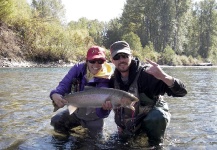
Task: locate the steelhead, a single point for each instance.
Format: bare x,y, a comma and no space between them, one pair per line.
95,97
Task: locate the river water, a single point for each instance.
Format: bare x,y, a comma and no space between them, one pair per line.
25,112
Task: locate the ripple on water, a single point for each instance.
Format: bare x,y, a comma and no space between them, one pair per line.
26,110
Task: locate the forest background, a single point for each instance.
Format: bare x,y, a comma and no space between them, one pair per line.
169,32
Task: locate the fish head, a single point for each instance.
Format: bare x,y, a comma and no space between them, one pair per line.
129,101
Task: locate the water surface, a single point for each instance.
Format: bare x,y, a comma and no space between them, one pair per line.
25,112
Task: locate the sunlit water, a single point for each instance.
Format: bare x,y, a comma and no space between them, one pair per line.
25,112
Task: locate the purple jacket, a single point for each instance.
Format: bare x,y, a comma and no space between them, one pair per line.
79,71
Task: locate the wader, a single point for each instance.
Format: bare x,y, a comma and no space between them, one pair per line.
151,116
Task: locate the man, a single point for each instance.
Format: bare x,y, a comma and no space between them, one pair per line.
148,84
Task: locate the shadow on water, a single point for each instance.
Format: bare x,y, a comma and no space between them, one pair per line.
79,140
80,143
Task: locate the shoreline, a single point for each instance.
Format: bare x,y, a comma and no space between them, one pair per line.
7,63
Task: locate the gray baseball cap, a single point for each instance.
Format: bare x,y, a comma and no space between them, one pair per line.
120,47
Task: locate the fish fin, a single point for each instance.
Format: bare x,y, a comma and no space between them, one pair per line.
55,108
71,109
132,106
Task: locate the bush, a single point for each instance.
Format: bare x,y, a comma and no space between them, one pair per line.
133,40
167,56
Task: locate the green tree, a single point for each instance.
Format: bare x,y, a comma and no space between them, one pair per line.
181,22
112,32
132,20
192,44
133,40
6,8
207,26
149,52
161,22
167,56
49,9
95,28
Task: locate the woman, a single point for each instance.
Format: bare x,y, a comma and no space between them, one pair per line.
94,72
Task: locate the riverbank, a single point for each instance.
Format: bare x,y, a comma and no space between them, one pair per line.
8,63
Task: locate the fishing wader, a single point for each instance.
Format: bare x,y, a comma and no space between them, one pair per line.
150,116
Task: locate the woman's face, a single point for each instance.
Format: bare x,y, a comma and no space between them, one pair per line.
95,65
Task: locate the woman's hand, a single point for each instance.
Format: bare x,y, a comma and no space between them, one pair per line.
58,100
107,105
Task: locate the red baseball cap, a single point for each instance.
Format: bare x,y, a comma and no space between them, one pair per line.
96,52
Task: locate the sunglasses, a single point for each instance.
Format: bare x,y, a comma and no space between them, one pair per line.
99,61
118,56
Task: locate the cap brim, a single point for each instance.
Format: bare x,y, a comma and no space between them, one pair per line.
125,50
96,57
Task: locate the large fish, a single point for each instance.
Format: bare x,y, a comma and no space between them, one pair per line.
95,97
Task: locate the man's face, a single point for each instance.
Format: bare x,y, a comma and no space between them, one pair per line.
122,61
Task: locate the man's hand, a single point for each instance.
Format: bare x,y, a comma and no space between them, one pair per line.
155,70
107,105
58,100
